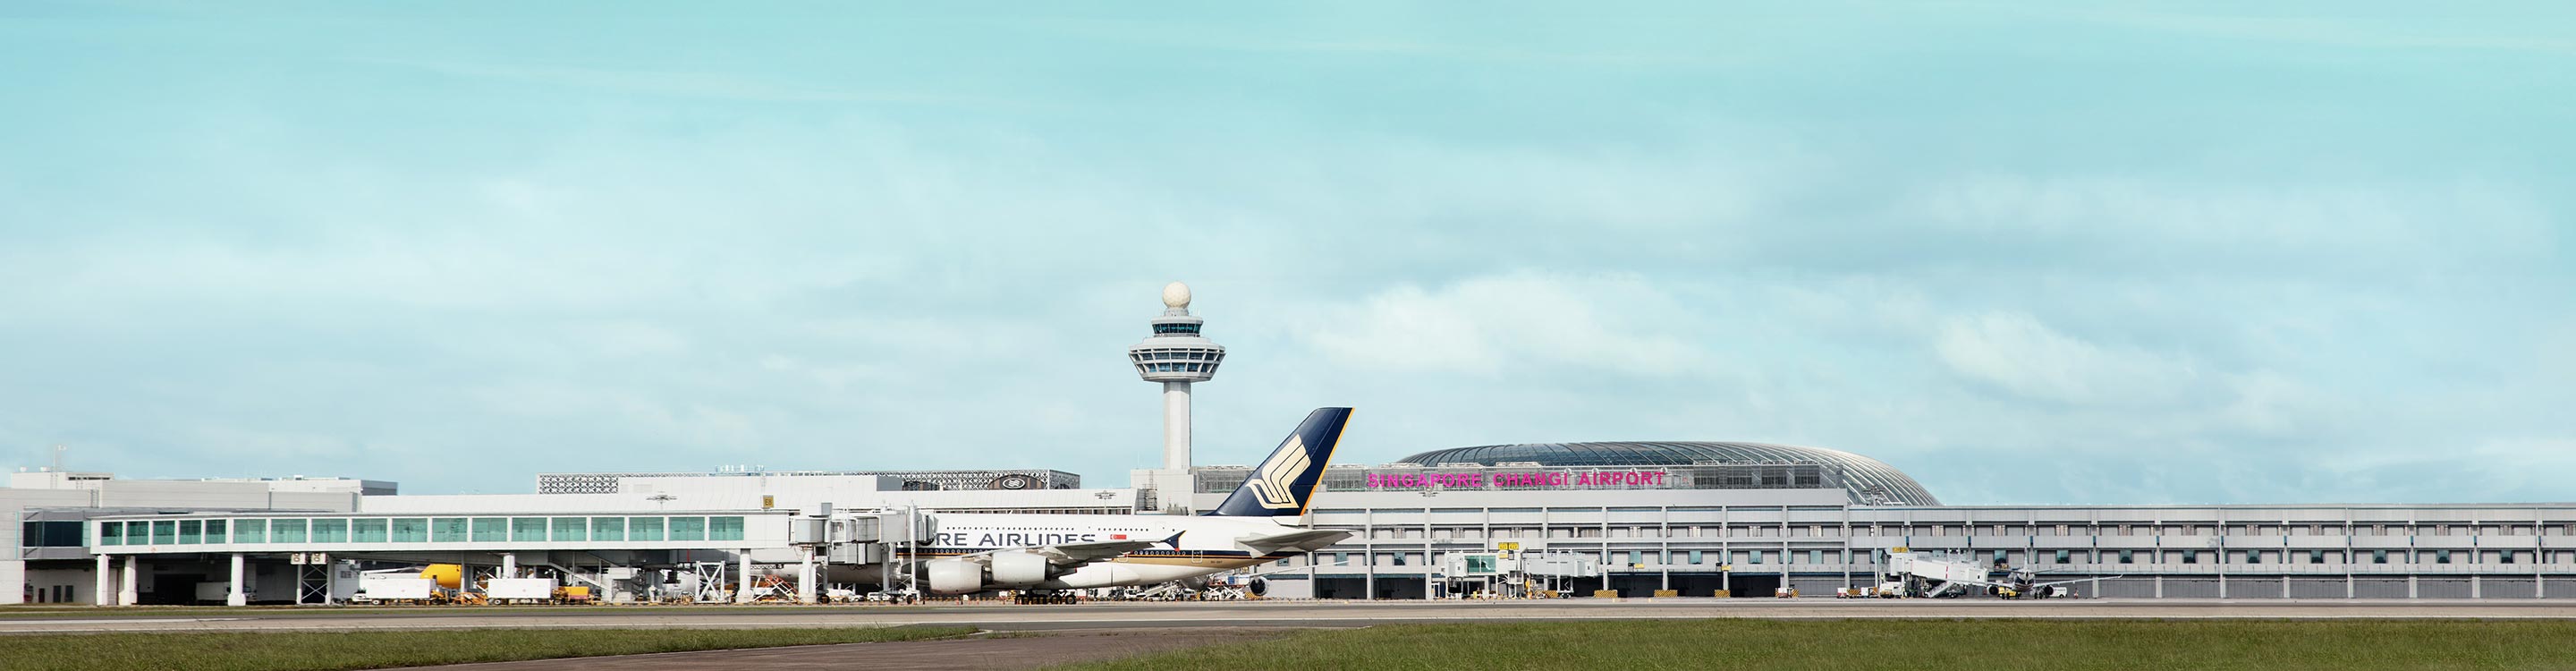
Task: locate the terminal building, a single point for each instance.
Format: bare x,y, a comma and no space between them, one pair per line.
1691,517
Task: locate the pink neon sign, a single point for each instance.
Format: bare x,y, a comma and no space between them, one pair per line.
1532,479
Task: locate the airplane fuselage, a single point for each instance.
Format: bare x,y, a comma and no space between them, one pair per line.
1185,546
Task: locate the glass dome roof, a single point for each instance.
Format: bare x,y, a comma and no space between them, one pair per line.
1869,480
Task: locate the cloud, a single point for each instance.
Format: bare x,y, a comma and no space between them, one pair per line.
2017,353
1486,325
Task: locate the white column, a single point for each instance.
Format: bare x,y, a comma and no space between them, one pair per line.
233,594
742,589
1176,430
509,565
128,594
805,578
13,581
106,593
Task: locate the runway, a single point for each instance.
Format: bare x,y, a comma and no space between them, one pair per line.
1261,614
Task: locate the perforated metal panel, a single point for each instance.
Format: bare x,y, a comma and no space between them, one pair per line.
2379,588
2191,588
2508,588
2559,588
2316,588
2442,588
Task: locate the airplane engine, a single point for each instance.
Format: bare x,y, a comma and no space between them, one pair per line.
1018,568
1258,587
955,576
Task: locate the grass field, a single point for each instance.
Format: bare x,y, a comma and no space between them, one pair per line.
2010,645
89,612
301,651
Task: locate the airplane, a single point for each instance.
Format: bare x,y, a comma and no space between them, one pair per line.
1046,554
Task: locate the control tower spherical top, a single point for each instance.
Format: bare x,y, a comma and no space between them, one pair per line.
1176,352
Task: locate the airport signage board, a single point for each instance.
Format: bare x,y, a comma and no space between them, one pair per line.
1531,479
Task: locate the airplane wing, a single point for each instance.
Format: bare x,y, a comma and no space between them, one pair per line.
1302,539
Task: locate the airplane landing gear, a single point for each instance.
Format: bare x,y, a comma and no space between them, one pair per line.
1044,598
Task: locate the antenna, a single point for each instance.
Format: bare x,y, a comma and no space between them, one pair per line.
58,457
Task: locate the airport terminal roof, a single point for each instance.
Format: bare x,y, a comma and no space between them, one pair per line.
1870,481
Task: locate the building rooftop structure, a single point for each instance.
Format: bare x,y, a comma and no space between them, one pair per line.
1870,481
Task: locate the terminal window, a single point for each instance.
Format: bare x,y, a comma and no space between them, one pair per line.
572,528
411,530
688,528
491,530
287,531
527,529
644,528
2062,556
724,528
250,531
2441,556
2379,556
330,531
368,530
448,530
2127,558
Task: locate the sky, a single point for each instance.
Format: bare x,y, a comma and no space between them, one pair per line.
2029,253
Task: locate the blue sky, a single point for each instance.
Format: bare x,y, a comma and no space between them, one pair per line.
2028,252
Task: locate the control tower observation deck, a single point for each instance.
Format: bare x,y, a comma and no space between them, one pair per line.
1176,355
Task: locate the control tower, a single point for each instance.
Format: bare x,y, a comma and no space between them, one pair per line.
1175,355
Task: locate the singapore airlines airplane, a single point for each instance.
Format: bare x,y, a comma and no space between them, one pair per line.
1044,553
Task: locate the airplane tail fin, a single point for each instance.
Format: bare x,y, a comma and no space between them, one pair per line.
1284,484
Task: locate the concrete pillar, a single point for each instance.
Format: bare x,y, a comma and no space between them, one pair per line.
233,592
130,593
805,578
13,581
1176,433
509,565
742,588
106,594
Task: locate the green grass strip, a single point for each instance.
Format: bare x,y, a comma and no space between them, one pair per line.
1984,645
331,651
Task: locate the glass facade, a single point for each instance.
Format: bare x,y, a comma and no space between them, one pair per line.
528,529
447,530
572,529
287,531
410,530
299,530
367,530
